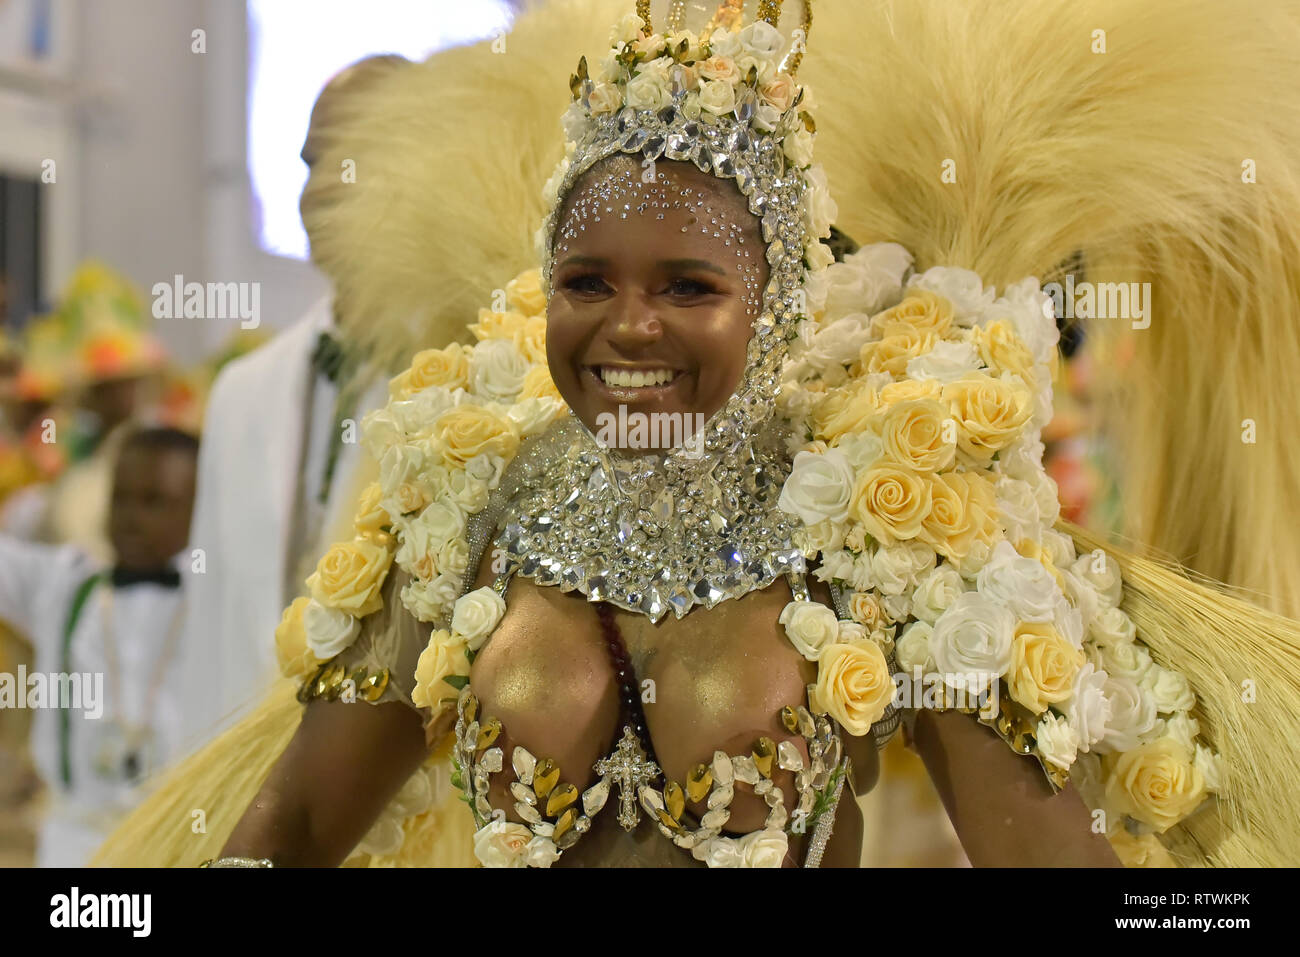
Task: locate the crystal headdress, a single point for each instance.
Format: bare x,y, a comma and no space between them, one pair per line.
657,533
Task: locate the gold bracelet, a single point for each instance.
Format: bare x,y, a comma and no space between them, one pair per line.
238,862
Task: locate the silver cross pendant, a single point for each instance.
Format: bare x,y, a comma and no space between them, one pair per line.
630,769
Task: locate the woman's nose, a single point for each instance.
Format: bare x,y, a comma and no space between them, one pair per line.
632,322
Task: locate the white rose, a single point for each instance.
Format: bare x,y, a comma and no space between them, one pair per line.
863,577
972,638
946,362
453,558
540,852
717,97
443,521
648,90
1088,708
533,415
329,631
418,413
1170,689
475,616
839,342
935,592
718,852
629,28
430,601
820,210
610,70
1059,548
379,431
762,40
867,281
1132,715
1127,660
1018,509
766,117
1182,728
896,569
963,288
1101,571
404,466
795,402
1022,584
763,848
1057,741
912,650
810,626
835,566
1047,495
969,564
418,552
1023,457
1068,621
851,631
725,43
467,493
1025,305
896,607
497,369
862,449
819,487
1207,762
798,147
1041,386
604,98
502,844
1112,627
1081,595
487,468
576,122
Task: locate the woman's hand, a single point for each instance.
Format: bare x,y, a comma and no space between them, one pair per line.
342,767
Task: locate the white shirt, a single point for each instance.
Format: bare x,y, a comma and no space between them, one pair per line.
119,640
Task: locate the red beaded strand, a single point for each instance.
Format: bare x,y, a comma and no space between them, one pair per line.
629,689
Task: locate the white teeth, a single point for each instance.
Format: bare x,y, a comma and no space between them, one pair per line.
639,379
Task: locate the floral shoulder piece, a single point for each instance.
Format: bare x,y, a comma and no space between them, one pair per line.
918,477
454,421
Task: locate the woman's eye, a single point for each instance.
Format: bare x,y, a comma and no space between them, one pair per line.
588,285
688,288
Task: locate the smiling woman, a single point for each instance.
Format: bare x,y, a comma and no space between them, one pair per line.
658,278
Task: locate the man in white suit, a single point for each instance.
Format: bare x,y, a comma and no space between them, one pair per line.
277,463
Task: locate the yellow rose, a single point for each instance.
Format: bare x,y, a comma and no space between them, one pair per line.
531,339
1043,665
470,430
1143,851
854,685
864,608
296,659
498,325
841,412
538,384
912,434
371,518
990,413
442,657
1002,350
908,390
892,353
524,293
890,502
962,510
349,577
921,311
1156,783
447,367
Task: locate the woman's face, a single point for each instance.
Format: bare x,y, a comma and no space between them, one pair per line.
655,288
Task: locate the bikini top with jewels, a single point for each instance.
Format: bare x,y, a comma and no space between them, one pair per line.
558,803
